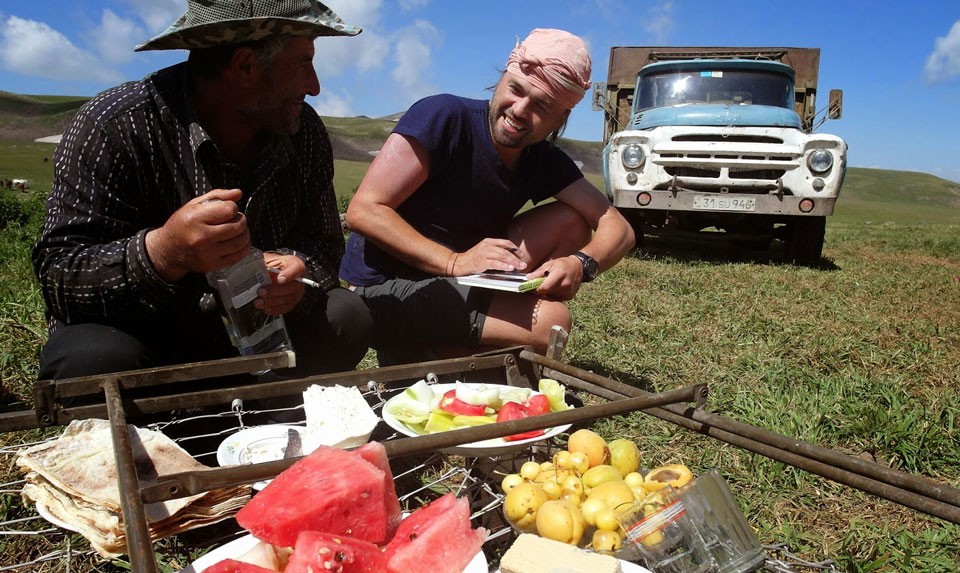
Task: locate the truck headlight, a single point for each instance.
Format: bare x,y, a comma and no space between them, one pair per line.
820,161
632,156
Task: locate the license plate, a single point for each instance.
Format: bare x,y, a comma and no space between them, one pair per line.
722,203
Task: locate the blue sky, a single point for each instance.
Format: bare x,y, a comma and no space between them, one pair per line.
898,63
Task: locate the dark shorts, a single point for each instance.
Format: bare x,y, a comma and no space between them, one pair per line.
411,317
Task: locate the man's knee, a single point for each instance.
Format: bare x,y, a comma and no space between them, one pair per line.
547,315
550,231
349,317
90,349
334,338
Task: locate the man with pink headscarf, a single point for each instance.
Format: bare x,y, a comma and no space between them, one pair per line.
441,200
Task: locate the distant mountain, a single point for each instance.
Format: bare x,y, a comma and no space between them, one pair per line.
26,118
30,117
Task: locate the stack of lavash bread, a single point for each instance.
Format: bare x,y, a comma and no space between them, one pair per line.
73,480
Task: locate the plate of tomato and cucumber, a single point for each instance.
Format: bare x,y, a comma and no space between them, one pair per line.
431,408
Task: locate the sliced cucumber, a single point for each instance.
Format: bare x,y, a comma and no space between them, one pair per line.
407,409
421,392
555,393
514,394
477,394
439,422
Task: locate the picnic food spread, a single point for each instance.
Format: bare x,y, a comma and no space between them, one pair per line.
576,497
338,510
73,479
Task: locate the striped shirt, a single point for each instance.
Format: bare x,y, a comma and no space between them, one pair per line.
131,157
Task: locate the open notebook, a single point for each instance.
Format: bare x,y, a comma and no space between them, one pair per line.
501,280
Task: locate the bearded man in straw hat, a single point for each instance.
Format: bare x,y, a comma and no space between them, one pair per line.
441,200
162,180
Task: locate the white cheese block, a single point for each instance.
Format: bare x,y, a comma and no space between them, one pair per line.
337,416
534,554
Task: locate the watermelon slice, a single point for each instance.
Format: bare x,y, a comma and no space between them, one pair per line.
376,454
330,490
234,566
318,552
437,537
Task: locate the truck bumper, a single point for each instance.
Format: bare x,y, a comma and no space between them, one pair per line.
742,203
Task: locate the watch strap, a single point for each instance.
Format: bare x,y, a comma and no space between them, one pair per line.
590,267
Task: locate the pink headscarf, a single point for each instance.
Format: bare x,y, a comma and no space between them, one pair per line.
556,62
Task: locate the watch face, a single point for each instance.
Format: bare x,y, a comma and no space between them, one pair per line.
590,267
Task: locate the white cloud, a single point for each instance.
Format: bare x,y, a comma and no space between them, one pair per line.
413,57
116,37
408,5
331,105
944,62
35,49
157,14
611,9
363,13
362,53
658,23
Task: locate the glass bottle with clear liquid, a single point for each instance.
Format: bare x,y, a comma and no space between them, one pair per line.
251,330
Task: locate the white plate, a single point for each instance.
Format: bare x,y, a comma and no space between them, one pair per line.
238,547
626,566
492,447
255,445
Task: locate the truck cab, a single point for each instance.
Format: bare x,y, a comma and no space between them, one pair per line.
719,142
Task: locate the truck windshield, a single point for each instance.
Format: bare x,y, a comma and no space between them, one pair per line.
715,86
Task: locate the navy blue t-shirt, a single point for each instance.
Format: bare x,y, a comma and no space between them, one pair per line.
469,194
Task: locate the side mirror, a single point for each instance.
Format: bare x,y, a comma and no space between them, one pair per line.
598,99
836,104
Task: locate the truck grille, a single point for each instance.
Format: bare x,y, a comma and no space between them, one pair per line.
764,174
742,163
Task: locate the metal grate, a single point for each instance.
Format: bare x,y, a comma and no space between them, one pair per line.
421,472
419,479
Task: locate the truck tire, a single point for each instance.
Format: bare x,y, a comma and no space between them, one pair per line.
636,220
805,240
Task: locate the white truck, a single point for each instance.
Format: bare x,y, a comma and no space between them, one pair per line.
719,142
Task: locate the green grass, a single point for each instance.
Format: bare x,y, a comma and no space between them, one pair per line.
30,161
880,196
347,176
359,127
862,356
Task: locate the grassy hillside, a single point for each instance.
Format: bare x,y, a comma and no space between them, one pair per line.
880,195
25,118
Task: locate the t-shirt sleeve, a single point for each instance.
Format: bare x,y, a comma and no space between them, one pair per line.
556,172
434,122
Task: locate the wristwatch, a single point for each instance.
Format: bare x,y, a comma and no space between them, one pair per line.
590,267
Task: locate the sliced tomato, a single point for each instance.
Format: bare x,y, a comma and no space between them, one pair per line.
450,403
538,404
516,411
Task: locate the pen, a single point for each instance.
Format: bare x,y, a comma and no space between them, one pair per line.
305,281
